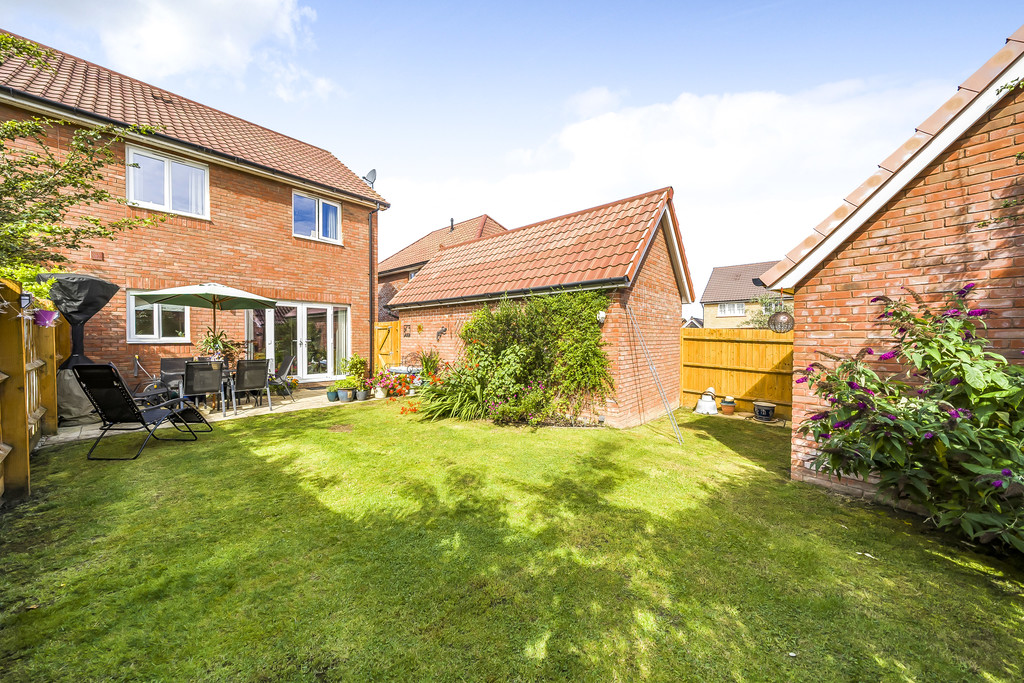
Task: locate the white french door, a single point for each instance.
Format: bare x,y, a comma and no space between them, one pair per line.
314,338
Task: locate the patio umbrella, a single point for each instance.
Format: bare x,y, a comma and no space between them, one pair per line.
210,295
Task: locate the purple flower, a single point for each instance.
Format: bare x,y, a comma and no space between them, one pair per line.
891,417
966,288
862,405
842,424
922,392
888,355
819,416
953,413
1007,472
876,299
869,351
810,368
825,435
887,314
978,312
953,312
854,385
953,382
869,392
928,435
801,380
998,483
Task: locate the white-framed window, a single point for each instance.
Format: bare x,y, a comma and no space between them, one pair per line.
773,306
732,309
315,219
156,323
157,181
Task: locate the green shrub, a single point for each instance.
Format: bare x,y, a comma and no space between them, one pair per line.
947,434
525,361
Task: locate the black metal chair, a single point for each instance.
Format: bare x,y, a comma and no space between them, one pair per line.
203,378
115,405
280,378
252,377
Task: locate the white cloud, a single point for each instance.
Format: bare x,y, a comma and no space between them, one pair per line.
753,172
155,39
593,102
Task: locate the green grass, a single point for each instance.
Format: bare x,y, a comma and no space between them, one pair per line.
275,549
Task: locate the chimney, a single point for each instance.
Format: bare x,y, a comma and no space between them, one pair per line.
452,228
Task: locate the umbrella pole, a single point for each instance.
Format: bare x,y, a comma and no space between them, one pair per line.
214,328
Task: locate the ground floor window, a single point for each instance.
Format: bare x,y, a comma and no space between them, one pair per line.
313,340
156,323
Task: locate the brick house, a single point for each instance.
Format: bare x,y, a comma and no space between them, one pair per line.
928,219
240,205
630,249
730,296
402,266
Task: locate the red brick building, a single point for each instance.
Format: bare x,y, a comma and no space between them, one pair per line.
931,219
240,205
397,269
630,248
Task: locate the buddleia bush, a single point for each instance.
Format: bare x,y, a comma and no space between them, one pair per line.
947,433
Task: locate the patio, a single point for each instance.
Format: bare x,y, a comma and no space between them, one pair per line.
354,542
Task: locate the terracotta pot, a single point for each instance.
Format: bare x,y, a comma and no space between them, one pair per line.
728,408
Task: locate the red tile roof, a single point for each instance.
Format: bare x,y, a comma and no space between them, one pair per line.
734,283
74,83
800,258
601,245
424,249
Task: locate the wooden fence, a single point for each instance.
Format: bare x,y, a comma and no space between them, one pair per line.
29,358
387,345
749,365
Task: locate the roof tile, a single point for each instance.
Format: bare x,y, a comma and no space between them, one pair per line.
425,248
77,83
734,283
565,251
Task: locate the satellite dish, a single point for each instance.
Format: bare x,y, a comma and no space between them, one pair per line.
781,322
371,177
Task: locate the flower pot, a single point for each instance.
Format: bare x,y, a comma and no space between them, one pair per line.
44,318
346,395
764,411
728,407
362,394
378,392
332,396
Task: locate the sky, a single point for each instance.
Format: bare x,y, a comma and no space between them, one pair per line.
761,115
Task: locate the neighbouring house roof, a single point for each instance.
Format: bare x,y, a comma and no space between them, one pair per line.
694,322
598,247
734,283
424,249
80,87
974,99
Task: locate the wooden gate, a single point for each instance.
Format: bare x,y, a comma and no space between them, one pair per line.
387,344
749,365
29,358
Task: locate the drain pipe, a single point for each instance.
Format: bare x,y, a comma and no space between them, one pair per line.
373,285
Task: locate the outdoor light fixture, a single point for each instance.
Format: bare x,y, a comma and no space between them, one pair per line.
25,300
601,315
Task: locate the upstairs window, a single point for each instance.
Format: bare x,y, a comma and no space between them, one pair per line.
316,219
160,182
156,323
732,309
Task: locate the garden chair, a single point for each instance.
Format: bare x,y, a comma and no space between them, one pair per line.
203,378
280,378
116,406
252,377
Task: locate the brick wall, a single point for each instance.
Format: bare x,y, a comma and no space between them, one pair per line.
387,287
655,301
246,243
927,238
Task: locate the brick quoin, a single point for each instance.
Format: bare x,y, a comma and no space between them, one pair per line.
246,243
655,301
927,238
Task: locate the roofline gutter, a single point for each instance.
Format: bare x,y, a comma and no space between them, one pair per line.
18,95
392,271
606,283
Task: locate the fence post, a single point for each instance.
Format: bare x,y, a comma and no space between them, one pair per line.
46,341
14,429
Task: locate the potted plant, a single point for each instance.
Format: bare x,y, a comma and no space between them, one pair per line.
346,388
218,346
332,393
363,391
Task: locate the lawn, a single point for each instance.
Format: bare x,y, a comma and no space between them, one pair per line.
278,548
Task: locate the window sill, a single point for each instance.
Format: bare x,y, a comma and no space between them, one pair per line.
337,243
177,341
161,209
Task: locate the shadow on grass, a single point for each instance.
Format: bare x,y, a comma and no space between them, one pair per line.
237,560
